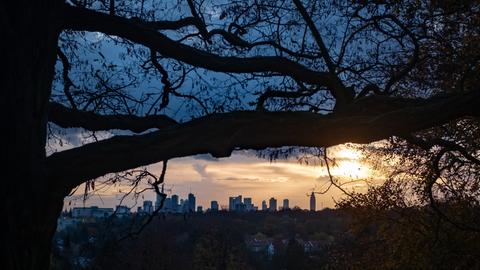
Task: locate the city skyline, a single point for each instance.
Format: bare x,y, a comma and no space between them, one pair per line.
186,204
244,173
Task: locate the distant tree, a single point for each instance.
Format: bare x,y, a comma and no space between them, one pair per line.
217,251
388,230
205,77
294,255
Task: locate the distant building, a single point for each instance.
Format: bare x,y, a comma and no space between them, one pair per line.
264,206
191,202
257,243
167,206
174,204
230,203
240,207
213,206
286,204
273,204
313,202
183,207
122,211
270,250
148,207
199,209
235,203
91,212
248,204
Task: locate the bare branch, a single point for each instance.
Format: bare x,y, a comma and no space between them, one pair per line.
81,19
67,82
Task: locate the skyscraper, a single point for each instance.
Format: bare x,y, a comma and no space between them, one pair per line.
248,204
264,206
167,205
313,202
214,206
148,207
191,202
285,204
174,203
235,203
273,204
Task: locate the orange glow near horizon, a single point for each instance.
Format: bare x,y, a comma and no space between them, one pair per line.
257,178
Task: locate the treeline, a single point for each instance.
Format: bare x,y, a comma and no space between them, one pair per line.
350,237
201,241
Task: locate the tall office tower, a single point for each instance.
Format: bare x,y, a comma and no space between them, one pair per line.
174,203
167,205
235,203
183,207
214,206
286,204
191,202
313,202
231,203
148,207
264,206
248,204
273,204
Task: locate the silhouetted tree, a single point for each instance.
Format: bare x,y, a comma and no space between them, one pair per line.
242,75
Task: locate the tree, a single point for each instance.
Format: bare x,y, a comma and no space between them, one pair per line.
252,75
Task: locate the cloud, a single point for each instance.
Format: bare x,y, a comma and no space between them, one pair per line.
201,169
206,157
244,173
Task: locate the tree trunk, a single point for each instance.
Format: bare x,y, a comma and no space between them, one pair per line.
30,202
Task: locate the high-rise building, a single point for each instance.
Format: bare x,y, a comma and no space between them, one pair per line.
184,207
313,202
214,206
273,204
191,202
248,204
285,204
231,205
264,206
174,203
148,207
235,203
167,205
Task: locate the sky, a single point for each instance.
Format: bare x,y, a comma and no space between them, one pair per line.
208,178
244,174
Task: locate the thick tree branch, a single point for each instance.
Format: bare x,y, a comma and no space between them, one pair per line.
136,30
220,134
66,118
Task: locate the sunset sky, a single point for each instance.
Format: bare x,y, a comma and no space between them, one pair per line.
244,174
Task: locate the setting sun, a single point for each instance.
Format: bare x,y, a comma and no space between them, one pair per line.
347,163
